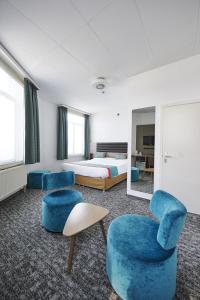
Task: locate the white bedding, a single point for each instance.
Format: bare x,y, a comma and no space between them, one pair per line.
121,165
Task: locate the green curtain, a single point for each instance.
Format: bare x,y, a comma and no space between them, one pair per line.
87,136
32,134
62,134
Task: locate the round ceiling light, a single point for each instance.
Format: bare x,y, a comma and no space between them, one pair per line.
100,83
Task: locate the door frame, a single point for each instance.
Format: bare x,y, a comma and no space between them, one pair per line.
157,151
158,158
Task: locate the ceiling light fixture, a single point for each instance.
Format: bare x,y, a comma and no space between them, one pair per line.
100,84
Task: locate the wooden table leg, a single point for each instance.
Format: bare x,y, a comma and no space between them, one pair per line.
71,253
103,230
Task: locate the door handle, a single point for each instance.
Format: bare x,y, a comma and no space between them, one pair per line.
166,155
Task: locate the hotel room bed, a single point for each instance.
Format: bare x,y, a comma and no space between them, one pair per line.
100,173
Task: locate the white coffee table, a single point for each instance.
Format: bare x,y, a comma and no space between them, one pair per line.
83,216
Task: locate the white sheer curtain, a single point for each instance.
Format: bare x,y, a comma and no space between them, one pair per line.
11,119
76,125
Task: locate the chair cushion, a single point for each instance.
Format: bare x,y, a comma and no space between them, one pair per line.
57,206
62,197
171,214
135,236
58,180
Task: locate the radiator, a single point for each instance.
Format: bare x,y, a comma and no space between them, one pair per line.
12,180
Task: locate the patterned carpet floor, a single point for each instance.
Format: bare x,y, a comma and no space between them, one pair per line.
144,185
33,261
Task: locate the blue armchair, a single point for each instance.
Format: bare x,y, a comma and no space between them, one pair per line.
141,253
57,205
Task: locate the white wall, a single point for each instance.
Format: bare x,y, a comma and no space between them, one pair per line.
48,139
48,125
109,127
176,82
145,118
173,83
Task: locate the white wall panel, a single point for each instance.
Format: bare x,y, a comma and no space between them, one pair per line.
12,180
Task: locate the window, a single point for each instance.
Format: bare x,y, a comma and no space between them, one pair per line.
11,119
76,125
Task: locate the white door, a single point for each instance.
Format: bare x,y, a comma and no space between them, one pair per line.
181,154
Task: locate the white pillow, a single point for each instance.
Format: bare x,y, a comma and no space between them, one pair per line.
116,155
100,155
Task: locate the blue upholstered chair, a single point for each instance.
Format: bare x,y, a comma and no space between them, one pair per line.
34,179
57,205
141,253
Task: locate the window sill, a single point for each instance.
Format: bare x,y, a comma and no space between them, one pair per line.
76,155
11,165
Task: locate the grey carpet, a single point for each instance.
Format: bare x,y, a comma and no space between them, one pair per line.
33,261
144,185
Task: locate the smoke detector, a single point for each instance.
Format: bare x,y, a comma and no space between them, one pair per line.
100,84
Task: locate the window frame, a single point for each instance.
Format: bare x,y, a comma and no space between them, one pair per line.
20,80
70,111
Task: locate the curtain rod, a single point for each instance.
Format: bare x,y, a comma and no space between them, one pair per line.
75,109
11,59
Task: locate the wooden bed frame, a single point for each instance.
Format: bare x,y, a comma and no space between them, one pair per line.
108,182
100,183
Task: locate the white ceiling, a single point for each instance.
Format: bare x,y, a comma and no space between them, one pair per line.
65,44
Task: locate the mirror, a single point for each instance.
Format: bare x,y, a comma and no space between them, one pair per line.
142,150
